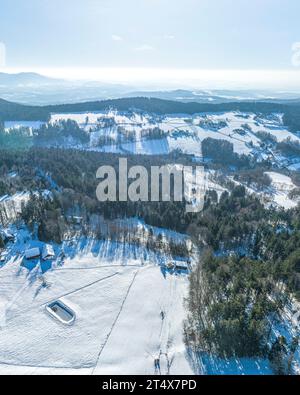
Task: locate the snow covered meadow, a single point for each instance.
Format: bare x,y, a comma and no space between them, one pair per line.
118,293
129,310
182,132
133,132
32,125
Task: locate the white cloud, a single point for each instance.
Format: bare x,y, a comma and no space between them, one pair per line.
296,54
144,48
169,37
2,55
115,37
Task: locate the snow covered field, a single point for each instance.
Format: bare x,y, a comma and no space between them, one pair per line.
123,131
282,185
118,328
12,205
183,132
278,193
129,311
8,125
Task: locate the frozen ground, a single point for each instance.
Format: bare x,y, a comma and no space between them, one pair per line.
282,185
118,329
277,194
295,166
183,132
213,366
124,132
118,293
11,206
8,125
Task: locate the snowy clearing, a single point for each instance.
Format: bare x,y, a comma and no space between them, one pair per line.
282,186
11,206
183,132
277,194
118,326
129,311
32,125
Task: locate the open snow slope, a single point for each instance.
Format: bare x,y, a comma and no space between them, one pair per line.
117,293
142,335
183,132
118,326
281,186
277,194
32,125
12,205
126,132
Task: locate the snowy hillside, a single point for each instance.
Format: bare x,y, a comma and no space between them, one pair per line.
282,185
129,311
278,193
133,132
182,132
118,304
11,206
8,125
125,298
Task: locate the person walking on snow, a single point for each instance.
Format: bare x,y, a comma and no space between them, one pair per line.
156,364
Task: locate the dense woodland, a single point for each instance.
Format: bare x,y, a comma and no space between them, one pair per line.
236,222
233,304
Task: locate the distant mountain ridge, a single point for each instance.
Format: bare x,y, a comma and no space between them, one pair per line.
25,79
217,96
35,89
15,111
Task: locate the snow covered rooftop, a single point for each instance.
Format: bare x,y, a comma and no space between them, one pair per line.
32,253
48,252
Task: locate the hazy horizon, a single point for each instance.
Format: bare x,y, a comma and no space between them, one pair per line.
199,44
155,79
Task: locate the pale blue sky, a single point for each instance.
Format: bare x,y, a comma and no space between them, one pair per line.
150,33
240,43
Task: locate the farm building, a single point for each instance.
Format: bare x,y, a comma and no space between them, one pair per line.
6,236
32,253
178,265
3,256
181,265
75,220
48,252
170,265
